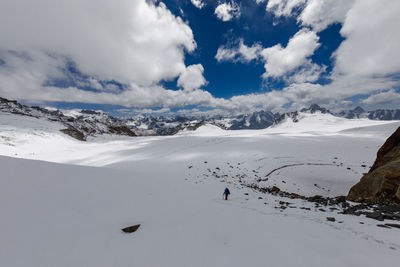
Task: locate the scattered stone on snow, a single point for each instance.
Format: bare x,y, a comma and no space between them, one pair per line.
331,219
131,229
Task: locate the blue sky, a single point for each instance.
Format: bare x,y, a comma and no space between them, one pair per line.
200,56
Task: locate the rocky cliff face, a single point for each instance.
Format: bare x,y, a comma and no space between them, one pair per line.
256,120
382,182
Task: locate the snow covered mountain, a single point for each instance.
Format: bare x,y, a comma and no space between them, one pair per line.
81,124
256,120
149,125
379,114
384,114
295,116
356,113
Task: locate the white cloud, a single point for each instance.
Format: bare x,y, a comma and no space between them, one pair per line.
332,94
95,84
225,53
279,61
268,101
205,112
227,11
150,111
319,14
291,63
132,41
387,97
309,72
371,47
198,3
284,7
136,43
241,52
192,77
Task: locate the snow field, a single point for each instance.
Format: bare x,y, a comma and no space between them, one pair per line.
68,215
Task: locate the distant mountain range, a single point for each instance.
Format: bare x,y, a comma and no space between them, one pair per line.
83,123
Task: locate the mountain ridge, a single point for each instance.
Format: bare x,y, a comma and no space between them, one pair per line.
84,123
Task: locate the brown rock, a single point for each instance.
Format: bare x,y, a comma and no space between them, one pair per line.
275,189
398,193
382,182
389,151
74,133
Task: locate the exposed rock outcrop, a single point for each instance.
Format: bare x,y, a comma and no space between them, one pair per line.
131,229
382,182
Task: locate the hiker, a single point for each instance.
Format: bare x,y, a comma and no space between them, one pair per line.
226,193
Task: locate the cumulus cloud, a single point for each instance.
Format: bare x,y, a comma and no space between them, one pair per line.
204,112
94,83
198,3
149,111
334,93
386,97
279,61
283,7
309,72
134,42
239,52
192,77
129,41
227,11
371,45
318,14
291,63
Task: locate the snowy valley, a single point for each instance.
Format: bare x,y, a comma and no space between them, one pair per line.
64,201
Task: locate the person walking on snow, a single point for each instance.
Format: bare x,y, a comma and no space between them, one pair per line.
226,193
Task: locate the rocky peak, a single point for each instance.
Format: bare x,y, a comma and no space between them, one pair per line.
358,110
384,114
314,108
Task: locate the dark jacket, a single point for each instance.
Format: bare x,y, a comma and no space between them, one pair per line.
226,192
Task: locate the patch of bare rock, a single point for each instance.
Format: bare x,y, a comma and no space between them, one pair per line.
382,183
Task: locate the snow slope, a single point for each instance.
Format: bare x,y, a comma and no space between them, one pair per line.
309,124
61,215
206,130
68,215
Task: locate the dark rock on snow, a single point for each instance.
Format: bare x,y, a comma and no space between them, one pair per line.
395,225
331,219
131,229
